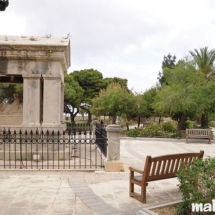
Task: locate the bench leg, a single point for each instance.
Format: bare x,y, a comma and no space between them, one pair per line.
131,185
143,193
131,188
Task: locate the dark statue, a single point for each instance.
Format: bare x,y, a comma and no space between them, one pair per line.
3,4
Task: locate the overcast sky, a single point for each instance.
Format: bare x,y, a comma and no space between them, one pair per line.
119,38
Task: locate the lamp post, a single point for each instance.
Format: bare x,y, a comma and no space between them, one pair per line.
3,4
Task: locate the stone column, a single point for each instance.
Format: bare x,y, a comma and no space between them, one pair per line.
31,100
113,163
52,101
62,118
62,102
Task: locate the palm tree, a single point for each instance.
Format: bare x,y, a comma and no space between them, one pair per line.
204,59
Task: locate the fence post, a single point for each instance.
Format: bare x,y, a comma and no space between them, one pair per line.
113,163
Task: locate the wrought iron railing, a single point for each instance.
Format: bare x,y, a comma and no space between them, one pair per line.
74,149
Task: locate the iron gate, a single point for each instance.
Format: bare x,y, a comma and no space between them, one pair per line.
73,149
101,138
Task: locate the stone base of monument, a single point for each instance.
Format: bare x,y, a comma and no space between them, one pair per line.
114,166
13,119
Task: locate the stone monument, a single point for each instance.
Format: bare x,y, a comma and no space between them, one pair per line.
40,63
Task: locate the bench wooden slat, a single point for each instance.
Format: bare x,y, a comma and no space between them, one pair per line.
190,161
163,167
168,165
177,164
153,164
172,166
185,160
158,168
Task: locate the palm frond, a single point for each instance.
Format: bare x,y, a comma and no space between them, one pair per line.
204,59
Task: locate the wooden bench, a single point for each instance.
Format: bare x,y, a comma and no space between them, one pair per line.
199,134
158,168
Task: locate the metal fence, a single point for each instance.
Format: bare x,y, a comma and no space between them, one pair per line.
101,138
73,149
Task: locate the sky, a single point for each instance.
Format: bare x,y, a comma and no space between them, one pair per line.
119,38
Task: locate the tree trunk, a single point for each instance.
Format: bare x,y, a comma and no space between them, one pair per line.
160,120
204,121
181,121
114,119
138,122
89,114
72,114
127,125
72,117
89,118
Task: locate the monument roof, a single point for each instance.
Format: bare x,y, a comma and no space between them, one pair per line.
34,44
32,40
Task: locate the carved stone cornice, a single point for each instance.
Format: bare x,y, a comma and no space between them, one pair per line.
36,49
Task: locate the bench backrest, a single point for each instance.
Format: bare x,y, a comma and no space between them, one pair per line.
166,166
201,132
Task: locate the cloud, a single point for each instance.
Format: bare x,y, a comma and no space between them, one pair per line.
124,38
12,24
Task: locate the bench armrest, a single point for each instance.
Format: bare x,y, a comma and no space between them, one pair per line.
133,169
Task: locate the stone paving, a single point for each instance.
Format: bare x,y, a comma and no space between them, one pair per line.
75,193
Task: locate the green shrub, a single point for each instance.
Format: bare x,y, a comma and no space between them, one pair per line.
165,131
177,134
133,133
212,123
188,124
152,131
168,126
197,184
